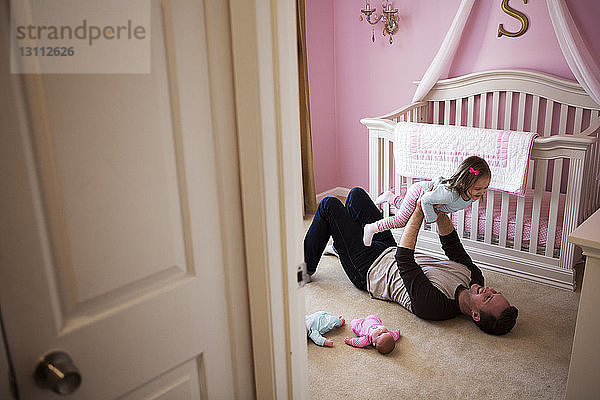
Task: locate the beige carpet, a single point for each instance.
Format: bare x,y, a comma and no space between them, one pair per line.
443,360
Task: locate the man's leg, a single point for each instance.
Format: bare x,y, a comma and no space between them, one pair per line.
364,211
333,219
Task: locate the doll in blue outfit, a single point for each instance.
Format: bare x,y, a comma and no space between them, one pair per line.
468,184
319,323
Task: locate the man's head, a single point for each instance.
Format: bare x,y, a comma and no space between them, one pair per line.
490,310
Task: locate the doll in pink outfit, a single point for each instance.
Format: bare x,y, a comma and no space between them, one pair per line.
370,330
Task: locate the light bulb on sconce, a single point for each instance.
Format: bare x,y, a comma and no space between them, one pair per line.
388,16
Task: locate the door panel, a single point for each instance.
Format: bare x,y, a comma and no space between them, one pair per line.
180,383
110,244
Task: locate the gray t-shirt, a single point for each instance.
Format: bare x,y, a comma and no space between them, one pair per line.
385,283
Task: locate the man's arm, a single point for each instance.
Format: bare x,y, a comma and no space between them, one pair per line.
427,301
411,230
454,249
444,224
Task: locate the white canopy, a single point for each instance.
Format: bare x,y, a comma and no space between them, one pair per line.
579,58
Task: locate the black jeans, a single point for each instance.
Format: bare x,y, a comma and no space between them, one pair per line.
345,224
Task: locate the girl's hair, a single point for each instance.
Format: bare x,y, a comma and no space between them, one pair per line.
471,169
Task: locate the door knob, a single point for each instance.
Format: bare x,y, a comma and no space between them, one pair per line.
57,372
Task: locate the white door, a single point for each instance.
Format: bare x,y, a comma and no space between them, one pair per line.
110,241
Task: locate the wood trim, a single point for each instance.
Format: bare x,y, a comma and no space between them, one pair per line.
222,94
266,91
526,81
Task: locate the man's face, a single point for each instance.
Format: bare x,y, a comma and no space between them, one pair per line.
487,300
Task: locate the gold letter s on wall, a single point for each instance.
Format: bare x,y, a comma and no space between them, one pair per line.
515,14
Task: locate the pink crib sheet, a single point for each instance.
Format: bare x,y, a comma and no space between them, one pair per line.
512,217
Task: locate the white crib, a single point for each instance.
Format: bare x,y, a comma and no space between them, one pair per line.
525,237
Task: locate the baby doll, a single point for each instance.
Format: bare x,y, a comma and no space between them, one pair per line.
319,323
371,331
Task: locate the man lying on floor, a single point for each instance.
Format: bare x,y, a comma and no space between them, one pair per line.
430,288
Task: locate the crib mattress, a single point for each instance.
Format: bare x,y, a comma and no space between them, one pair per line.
512,217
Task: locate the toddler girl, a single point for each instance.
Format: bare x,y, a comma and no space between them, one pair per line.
371,331
468,184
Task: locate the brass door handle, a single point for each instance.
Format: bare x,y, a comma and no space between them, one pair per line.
57,372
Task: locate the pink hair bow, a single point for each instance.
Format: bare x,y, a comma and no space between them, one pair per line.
473,171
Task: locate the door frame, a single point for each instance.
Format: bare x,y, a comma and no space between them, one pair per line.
268,126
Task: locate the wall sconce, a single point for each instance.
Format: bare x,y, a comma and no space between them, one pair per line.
388,16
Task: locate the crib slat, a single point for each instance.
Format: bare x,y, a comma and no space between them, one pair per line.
595,192
386,165
374,164
495,109
489,216
521,127
544,167
482,109
447,112
535,110
571,212
540,184
548,121
436,112
397,183
519,223
557,174
508,110
562,127
505,197
458,119
530,169
504,219
578,120
521,111
535,113
587,175
409,183
588,182
470,105
474,220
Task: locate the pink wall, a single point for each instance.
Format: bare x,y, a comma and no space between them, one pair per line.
321,71
351,77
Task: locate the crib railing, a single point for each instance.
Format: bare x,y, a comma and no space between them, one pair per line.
565,165
553,151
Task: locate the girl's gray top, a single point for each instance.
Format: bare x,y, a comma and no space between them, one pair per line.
449,200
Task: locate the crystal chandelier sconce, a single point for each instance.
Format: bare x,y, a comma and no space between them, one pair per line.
388,16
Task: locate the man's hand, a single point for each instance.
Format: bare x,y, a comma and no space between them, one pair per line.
444,224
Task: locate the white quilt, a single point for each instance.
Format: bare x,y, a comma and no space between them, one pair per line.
427,151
